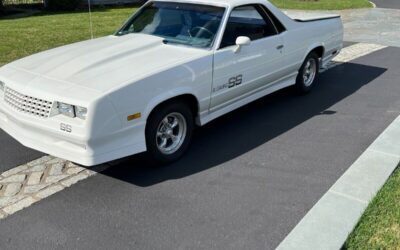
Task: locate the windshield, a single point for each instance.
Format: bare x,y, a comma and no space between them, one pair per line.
178,23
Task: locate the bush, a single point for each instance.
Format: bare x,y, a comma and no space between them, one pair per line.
62,4
1,6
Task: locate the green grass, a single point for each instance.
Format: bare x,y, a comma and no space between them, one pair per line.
379,227
8,2
24,36
322,4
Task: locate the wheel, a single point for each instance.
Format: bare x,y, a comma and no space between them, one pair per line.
168,132
308,73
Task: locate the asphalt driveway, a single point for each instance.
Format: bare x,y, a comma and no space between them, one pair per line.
375,25
13,154
246,182
389,4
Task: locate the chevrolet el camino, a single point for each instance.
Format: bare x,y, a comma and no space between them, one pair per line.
174,65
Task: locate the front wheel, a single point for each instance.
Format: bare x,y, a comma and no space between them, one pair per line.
168,132
308,73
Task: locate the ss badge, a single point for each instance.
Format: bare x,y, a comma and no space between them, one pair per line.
235,81
66,128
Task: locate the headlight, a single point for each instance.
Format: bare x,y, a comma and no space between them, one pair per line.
71,110
81,112
66,109
2,85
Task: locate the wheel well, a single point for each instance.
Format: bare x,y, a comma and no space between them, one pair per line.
319,50
189,99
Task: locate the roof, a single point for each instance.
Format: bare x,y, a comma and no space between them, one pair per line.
218,2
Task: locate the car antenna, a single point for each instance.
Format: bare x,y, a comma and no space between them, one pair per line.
90,19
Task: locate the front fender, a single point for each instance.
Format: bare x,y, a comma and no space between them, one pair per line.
157,100
194,78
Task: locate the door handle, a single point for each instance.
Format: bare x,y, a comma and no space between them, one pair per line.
280,47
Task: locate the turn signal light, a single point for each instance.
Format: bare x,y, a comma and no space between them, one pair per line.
134,116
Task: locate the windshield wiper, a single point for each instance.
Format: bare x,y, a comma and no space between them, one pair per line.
167,41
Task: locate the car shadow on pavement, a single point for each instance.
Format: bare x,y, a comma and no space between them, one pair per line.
247,128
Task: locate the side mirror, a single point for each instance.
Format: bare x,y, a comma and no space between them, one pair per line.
242,41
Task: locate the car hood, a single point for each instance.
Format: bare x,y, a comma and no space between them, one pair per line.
102,64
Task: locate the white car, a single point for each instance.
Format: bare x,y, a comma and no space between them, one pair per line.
174,65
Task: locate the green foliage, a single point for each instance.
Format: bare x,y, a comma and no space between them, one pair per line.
1,6
63,4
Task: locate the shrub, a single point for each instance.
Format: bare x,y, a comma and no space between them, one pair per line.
62,4
1,6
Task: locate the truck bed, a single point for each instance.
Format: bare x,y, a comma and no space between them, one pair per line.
309,16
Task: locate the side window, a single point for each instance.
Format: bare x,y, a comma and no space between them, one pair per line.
248,21
278,25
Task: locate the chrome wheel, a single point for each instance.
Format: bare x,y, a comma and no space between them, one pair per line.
309,72
171,133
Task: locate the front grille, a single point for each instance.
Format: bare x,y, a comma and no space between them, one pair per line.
27,104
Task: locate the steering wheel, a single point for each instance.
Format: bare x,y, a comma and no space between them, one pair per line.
201,31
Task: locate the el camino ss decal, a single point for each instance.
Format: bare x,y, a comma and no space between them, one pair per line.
232,82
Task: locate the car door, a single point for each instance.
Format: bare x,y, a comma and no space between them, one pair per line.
239,73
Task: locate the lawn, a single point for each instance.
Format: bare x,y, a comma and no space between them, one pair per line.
379,227
24,36
322,4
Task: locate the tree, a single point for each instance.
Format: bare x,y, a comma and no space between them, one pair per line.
62,4
1,6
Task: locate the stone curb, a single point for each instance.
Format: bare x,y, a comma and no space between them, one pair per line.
328,224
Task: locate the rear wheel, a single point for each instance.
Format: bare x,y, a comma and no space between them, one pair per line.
169,131
308,73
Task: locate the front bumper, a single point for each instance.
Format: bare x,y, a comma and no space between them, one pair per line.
36,134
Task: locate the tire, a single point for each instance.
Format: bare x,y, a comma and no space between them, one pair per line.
311,63
165,143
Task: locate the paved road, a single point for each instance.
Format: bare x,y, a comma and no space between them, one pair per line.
389,4
246,182
378,25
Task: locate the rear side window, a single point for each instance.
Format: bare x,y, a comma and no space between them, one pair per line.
250,21
278,25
